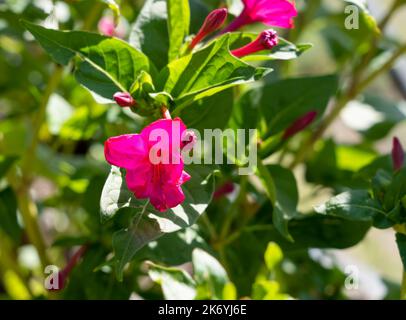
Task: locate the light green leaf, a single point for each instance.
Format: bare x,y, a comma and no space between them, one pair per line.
176,283
356,205
205,73
273,255
104,65
178,25
209,274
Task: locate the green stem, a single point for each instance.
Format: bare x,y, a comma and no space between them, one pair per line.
403,287
231,213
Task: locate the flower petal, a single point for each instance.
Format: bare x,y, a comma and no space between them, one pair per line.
126,151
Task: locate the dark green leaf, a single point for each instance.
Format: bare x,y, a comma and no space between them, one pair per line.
8,214
149,33
103,65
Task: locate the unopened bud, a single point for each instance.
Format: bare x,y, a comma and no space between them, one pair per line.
300,124
124,99
398,155
212,23
266,41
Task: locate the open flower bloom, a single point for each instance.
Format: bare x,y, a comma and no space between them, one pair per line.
153,162
276,13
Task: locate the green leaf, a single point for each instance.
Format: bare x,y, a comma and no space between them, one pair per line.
152,224
396,191
401,242
287,198
176,284
6,163
149,33
178,25
103,65
8,214
267,181
205,73
285,101
273,255
355,205
210,276
209,113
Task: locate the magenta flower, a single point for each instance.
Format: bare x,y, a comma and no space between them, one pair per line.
300,124
124,99
398,155
276,13
266,41
153,162
213,22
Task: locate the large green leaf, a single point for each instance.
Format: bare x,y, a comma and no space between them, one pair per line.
284,101
209,113
206,72
104,65
245,255
149,223
209,275
149,33
176,283
355,205
178,25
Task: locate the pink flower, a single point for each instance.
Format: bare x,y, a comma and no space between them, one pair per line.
300,124
266,41
398,155
276,13
213,22
124,99
153,162
108,27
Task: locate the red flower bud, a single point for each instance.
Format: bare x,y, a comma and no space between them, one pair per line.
223,190
124,99
300,124
398,155
212,23
266,41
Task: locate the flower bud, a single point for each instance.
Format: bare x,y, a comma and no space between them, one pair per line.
398,155
124,99
225,189
300,124
212,23
266,41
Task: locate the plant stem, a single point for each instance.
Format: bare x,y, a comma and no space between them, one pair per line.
403,287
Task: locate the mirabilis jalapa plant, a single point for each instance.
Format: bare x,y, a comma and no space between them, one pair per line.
169,85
